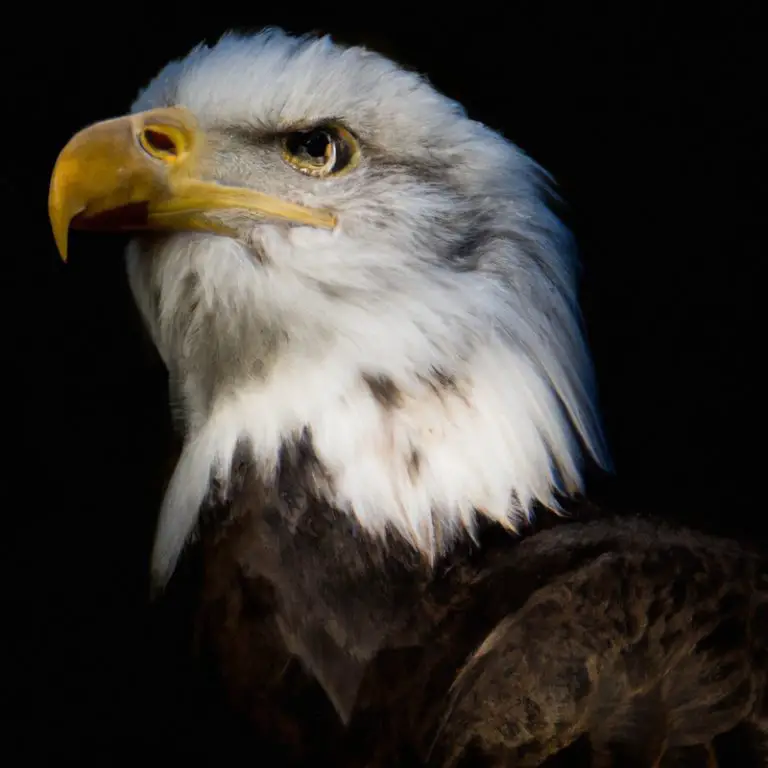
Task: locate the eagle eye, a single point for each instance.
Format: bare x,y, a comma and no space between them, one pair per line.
326,150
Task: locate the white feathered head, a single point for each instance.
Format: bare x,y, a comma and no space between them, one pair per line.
331,251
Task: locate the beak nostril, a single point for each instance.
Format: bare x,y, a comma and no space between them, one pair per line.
158,142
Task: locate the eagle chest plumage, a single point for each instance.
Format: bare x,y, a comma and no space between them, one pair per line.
328,644
328,641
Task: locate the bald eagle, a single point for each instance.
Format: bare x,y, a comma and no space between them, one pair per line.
367,308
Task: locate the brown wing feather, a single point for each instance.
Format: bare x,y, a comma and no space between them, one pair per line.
643,651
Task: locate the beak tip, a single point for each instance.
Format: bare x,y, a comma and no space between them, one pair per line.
59,218
60,237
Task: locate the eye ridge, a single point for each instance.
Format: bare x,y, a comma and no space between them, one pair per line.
325,150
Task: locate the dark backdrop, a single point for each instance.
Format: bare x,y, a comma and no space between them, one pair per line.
646,117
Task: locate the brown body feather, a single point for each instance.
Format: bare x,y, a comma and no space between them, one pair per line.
603,642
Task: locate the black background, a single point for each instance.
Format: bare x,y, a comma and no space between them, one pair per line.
646,116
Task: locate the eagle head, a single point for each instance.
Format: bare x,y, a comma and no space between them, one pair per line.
330,252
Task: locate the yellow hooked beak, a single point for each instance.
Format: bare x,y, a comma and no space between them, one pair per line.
143,172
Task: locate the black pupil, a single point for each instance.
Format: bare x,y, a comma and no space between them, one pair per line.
311,144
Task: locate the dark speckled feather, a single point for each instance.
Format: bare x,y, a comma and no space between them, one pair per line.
590,642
